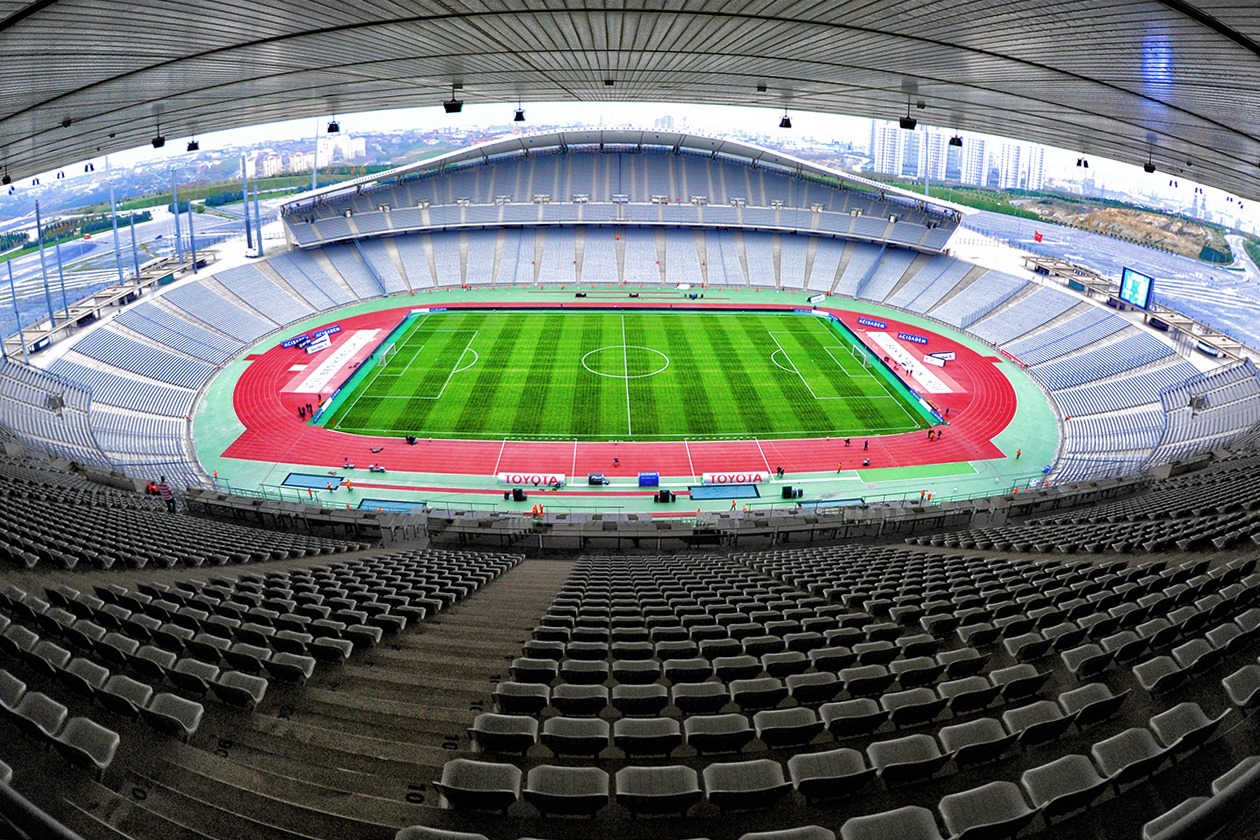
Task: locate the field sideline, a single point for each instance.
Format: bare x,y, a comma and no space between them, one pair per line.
623,376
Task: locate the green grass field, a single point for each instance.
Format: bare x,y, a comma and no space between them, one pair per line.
622,376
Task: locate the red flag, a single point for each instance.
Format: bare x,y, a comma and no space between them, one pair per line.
1036,236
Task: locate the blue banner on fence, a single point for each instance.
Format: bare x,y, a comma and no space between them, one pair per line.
296,341
333,330
915,339
869,322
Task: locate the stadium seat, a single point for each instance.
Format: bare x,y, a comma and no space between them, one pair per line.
575,736
777,728
658,790
907,823
87,744
907,759
1063,785
853,718
1036,723
830,774
1091,703
997,809
976,742
745,785
125,696
479,785
503,733
1185,727
1129,756
173,715
647,736
566,790
718,733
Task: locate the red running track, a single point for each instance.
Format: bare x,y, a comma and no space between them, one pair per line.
983,406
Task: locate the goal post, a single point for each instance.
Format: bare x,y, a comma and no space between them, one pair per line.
860,355
388,354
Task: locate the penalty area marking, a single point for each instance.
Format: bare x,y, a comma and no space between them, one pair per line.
459,367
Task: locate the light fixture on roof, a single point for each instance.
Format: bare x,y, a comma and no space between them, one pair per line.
34,182
61,174
89,167
908,122
158,140
785,121
1082,162
334,127
193,145
609,82
519,116
453,105
956,140
7,179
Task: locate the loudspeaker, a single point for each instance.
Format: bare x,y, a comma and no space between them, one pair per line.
519,495
788,493
411,439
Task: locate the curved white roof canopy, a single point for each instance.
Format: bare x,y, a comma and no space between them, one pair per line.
1177,81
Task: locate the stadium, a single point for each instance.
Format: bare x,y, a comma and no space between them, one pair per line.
625,480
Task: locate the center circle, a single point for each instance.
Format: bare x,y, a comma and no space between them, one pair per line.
630,361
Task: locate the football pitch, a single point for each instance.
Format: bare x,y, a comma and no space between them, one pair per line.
622,376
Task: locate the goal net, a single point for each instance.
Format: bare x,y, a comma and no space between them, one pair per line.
860,355
388,355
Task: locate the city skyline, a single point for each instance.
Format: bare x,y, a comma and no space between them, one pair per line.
1017,164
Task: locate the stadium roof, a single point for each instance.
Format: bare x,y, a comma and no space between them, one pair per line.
618,139
1170,80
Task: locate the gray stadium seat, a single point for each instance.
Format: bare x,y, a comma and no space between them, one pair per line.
173,715
976,741
504,733
566,790
1129,755
647,736
479,785
87,744
658,790
997,809
1063,785
830,774
1185,727
908,759
908,823
745,785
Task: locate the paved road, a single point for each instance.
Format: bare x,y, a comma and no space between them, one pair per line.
1224,299
90,264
